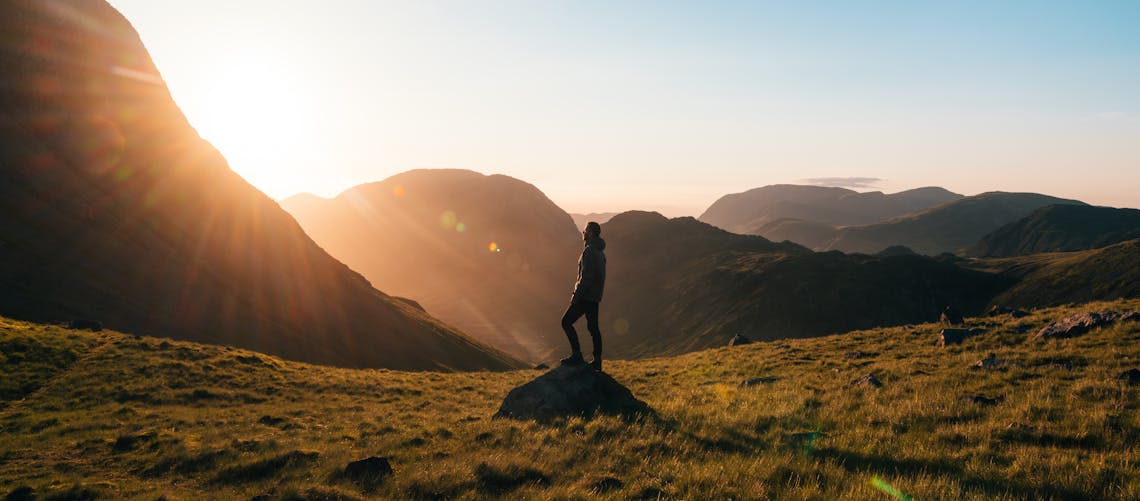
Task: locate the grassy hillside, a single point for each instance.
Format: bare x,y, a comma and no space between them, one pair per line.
1060,228
116,416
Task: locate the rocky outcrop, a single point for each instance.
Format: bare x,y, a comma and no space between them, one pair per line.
953,336
1076,325
571,391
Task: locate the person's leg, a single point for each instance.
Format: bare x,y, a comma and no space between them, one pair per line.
573,313
595,332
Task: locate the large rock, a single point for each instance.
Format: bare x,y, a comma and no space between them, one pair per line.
1075,325
570,391
738,340
953,336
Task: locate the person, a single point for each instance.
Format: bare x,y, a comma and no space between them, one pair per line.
587,295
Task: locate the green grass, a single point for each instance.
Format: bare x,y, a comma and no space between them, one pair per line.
117,416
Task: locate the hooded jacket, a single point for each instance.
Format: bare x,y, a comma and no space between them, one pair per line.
591,272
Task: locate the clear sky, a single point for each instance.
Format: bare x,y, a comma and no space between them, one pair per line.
663,105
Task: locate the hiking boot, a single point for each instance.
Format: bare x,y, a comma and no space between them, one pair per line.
597,363
575,359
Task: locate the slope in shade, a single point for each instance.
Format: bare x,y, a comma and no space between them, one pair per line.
114,209
489,254
1060,228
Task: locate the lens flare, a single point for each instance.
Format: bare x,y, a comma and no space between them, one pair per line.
621,326
888,489
448,219
461,227
494,247
398,191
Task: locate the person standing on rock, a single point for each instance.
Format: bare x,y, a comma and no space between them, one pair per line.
587,295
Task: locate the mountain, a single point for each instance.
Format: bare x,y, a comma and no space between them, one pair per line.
491,255
946,228
112,416
1067,277
580,220
678,285
1060,228
751,210
810,234
115,210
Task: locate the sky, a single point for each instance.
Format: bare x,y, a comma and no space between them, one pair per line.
662,105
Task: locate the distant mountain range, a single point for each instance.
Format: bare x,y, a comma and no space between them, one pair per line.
678,285
1060,228
491,255
748,212
115,210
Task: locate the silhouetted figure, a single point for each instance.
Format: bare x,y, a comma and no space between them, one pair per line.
587,295
950,316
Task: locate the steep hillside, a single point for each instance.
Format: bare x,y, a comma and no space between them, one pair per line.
490,255
112,416
115,210
677,285
1068,277
749,211
810,234
946,228
1060,228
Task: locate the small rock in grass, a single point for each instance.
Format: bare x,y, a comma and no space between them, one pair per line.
368,471
953,336
992,362
868,380
1130,376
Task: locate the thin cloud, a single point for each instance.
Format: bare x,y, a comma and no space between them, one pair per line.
844,182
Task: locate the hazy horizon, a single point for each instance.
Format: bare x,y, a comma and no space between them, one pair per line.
607,107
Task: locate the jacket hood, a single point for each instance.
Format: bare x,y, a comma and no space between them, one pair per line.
597,243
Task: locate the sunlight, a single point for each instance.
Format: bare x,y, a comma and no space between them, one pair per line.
257,115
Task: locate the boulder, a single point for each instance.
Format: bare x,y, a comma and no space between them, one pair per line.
368,471
985,401
1130,376
996,310
1076,325
570,391
868,380
738,340
953,336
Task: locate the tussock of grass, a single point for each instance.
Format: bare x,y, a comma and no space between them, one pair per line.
113,416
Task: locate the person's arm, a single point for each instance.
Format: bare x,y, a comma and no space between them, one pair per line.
589,273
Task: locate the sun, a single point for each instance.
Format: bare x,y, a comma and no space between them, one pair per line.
257,113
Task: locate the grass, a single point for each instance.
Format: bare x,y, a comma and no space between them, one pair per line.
107,415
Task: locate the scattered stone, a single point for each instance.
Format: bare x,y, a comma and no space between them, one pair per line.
985,401
852,355
953,336
570,391
541,367
992,362
868,380
738,340
1075,325
369,471
758,380
950,316
1130,376
81,324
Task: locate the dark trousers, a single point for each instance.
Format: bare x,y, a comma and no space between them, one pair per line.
573,313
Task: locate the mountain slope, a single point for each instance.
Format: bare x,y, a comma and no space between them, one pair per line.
1067,277
679,285
946,228
1060,228
114,209
580,220
428,235
119,417
747,212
